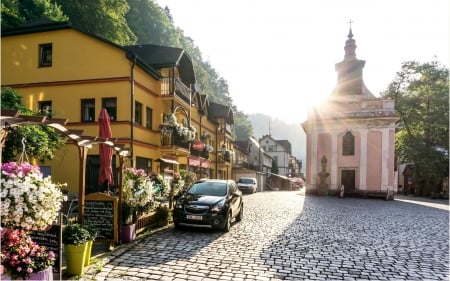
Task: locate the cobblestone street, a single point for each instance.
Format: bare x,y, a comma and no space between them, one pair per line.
290,236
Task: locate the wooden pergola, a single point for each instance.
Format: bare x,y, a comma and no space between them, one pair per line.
12,118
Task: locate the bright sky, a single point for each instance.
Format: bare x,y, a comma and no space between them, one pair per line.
278,56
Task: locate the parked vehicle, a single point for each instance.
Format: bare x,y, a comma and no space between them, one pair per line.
247,185
209,203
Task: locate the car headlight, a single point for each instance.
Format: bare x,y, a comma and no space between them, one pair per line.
178,205
218,207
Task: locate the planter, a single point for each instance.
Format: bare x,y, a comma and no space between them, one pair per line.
43,275
87,258
128,233
75,257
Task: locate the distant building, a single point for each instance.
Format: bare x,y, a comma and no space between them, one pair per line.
350,137
280,151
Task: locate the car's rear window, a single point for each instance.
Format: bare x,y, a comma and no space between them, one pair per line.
209,188
245,181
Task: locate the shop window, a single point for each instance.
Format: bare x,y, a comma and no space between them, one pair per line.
144,164
88,110
45,55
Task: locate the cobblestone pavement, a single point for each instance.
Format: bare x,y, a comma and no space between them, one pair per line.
290,236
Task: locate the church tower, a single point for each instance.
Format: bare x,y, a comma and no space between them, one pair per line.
350,136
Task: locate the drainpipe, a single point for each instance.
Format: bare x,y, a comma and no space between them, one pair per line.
132,110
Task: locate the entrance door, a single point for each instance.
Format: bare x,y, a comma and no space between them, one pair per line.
348,179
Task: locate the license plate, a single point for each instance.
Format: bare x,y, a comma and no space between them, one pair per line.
191,217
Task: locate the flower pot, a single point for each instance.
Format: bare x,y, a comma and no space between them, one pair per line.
128,233
44,275
87,258
75,258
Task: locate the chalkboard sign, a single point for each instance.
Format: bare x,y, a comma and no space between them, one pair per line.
100,211
52,240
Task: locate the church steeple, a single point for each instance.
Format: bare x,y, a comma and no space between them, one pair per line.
350,71
350,46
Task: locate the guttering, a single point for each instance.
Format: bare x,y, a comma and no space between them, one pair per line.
132,108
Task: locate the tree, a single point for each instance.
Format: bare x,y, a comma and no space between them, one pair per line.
421,95
41,141
104,18
15,12
242,126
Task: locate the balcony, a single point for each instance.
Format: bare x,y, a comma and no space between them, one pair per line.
171,86
176,137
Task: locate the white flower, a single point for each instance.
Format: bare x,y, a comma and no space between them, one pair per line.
28,200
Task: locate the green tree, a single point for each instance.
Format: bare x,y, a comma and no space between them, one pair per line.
242,126
421,94
41,141
104,18
16,12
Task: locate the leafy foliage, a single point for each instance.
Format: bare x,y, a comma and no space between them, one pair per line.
15,12
104,18
41,141
420,91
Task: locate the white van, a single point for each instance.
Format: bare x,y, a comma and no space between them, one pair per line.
247,185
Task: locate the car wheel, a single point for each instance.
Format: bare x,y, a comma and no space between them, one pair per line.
241,213
227,224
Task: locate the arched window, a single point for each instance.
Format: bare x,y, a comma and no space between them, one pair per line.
348,144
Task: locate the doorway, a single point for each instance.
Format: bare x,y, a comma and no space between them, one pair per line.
348,179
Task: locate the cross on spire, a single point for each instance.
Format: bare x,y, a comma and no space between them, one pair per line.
350,23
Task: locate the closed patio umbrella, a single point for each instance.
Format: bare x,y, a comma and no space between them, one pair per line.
105,175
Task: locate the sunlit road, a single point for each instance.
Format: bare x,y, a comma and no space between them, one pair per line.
287,236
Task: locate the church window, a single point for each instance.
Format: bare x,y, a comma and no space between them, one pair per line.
348,144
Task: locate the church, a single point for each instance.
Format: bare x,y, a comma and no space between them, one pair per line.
350,137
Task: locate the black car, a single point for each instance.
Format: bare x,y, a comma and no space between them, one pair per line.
209,203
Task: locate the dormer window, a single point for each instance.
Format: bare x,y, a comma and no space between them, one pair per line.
45,55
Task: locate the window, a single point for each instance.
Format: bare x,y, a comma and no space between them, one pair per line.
138,113
45,55
110,104
144,164
148,115
45,108
88,110
348,144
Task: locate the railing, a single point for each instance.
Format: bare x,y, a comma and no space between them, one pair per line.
172,138
168,85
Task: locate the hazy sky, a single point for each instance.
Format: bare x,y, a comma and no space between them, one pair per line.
278,57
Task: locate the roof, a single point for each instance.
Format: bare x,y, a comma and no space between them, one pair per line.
217,110
47,26
243,145
162,56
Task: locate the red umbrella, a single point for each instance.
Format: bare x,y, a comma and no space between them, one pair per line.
105,175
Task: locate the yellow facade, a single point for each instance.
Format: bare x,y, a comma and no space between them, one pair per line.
85,68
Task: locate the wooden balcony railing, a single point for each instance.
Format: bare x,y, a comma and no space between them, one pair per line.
174,86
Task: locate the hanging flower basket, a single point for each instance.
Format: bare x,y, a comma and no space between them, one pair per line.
28,200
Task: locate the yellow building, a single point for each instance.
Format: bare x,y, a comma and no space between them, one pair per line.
148,90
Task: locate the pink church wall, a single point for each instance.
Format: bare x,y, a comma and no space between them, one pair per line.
374,161
324,148
349,161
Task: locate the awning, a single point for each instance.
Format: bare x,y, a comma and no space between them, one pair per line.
169,161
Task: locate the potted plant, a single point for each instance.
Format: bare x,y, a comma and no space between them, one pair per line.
75,238
162,215
137,193
22,258
23,185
